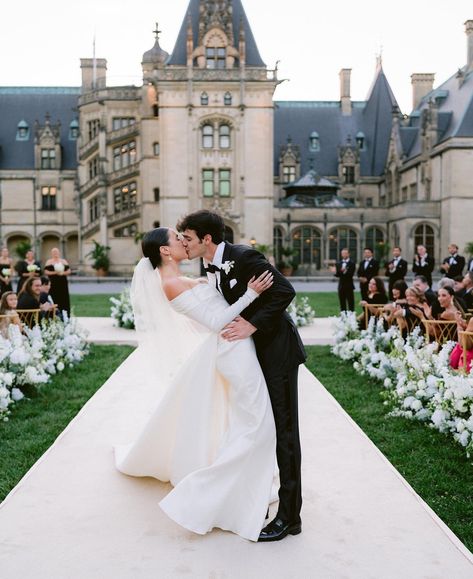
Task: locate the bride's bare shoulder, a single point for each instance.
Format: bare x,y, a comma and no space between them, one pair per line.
175,286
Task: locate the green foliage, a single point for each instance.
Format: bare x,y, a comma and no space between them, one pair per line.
469,248
92,305
22,248
99,255
435,465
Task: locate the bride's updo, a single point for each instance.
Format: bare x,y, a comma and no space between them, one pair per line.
151,243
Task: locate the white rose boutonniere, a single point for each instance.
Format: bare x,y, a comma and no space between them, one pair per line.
227,266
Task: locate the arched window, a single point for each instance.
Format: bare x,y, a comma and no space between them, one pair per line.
278,237
204,99
360,140
22,131
73,130
424,235
224,136
306,244
227,99
207,136
314,144
343,237
375,238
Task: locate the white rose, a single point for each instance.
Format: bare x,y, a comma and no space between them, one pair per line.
60,366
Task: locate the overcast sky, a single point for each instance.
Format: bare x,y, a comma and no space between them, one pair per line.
41,42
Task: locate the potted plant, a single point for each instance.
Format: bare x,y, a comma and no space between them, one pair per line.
99,255
287,264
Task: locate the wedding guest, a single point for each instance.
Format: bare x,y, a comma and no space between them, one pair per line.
469,266
6,271
376,295
458,286
27,268
345,270
420,282
446,300
423,264
57,269
416,309
29,296
396,269
446,282
467,295
398,299
8,313
453,264
45,296
465,347
368,268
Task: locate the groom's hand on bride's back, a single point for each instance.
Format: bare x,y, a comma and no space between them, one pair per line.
239,329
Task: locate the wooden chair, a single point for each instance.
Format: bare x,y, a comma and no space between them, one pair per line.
29,317
466,342
372,310
50,314
440,331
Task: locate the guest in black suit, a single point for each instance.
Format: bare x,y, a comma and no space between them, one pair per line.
421,283
396,269
453,264
423,264
367,269
345,270
467,295
469,266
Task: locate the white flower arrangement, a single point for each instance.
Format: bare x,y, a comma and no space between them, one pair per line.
32,358
301,311
227,266
6,272
122,311
32,267
418,382
59,267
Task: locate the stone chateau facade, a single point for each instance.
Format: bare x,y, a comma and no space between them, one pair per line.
107,163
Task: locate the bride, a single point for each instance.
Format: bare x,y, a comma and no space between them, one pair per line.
212,432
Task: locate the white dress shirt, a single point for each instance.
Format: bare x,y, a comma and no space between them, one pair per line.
214,278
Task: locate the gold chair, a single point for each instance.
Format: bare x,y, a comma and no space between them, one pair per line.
50,314
29,317
440,331
372,310
466,342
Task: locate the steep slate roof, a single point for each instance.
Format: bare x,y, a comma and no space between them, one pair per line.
373,117
179,54
455,116
31,104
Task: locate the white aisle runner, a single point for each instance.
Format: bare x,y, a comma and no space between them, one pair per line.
74,517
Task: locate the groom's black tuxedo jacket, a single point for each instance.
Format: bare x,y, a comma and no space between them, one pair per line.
278,344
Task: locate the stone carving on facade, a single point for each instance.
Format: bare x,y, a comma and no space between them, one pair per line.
216,14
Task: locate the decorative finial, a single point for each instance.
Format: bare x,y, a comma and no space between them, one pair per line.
157,32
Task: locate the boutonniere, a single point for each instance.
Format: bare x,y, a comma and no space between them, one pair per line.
227,266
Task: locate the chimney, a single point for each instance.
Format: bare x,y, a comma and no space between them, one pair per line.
345,100
94,73
422,84
469,44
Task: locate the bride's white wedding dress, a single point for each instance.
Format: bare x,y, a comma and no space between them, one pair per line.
212,432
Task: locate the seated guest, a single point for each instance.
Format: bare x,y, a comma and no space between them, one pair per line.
399,298
45,296
458,301
421,283
456,355
453,264
8,313
446,300
410,315
467,295
458,286
29,296
376,295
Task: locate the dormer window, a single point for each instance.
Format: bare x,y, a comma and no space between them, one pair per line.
360,140
22,131
73,130
349,174
227,99
215,58
204,99
314,144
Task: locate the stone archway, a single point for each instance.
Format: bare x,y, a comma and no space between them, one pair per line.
13,241
48,241
71,250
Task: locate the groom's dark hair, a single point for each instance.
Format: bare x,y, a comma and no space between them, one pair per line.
204,222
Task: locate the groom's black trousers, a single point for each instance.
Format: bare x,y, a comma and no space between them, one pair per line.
284,400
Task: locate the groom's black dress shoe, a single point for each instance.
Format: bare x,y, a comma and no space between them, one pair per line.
278,529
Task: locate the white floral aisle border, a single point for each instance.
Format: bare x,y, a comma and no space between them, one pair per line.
32,358
418,382
121,311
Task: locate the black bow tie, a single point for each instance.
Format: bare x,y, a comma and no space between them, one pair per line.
211,268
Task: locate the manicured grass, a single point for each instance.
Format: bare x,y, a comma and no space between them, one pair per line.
34,424
326,304
91,305
435,466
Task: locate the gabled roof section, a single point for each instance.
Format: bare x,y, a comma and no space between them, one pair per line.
32,104
179,54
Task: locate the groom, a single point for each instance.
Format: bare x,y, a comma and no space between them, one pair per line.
278,346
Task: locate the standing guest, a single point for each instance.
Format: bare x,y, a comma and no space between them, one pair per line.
367,269
57,269
27,268
423,264
467,295
6,271
396,269
345,270
453,264
8,313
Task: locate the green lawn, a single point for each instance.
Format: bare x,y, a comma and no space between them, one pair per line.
34,424
98,305
435,466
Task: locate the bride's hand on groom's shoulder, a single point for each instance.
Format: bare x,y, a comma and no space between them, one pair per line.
261,283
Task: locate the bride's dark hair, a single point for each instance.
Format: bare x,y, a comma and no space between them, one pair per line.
151,243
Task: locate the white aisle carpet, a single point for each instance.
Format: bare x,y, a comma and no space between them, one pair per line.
74,517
